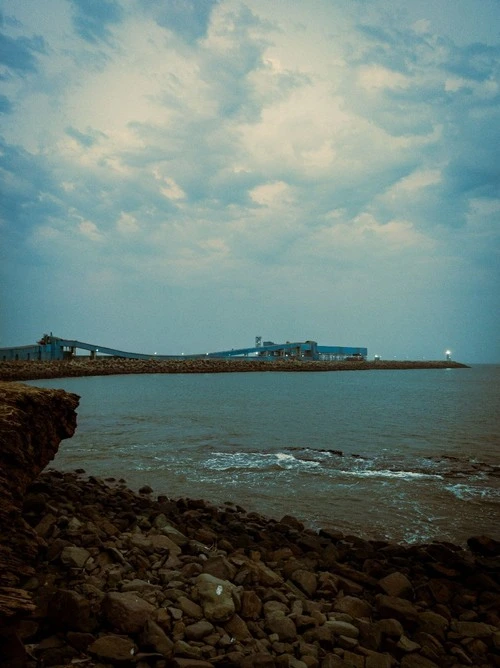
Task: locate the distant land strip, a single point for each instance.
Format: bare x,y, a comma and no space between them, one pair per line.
109,366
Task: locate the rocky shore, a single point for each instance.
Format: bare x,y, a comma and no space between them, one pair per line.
95,575
129,579
105,366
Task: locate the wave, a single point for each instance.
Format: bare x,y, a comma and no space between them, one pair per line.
265,462
224,461
471,493
442,466
381,473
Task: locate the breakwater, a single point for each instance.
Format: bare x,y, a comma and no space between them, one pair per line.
102,366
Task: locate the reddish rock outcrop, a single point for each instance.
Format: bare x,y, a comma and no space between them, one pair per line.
33,422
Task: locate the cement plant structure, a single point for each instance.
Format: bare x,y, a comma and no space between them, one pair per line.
55,348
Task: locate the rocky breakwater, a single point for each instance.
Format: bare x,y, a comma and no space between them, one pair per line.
32,424
106,366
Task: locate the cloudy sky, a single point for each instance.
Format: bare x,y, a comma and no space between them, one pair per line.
183,175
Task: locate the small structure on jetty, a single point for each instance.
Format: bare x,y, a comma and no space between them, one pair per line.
51,348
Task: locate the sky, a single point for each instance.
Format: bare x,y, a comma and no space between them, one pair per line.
181,176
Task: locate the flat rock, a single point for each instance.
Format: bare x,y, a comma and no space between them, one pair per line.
114,649
399,608
396,584
74,557
126,612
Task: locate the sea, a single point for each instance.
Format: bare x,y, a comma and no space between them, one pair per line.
409,456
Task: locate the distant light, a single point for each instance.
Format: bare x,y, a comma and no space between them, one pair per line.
448,352
156,353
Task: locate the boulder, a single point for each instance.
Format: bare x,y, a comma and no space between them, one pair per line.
198,630
473,629
251,605
398,608
216,597
114,649
353,606
154,543
431,622
277,622
189,607
306,580
237,628
154,638
340,628
74,557
126,612
70,610
396,584
417,661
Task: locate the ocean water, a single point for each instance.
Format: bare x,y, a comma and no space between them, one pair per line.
411,456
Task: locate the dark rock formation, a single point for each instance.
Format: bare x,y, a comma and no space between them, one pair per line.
32,424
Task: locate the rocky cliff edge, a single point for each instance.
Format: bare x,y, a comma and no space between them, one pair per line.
33,421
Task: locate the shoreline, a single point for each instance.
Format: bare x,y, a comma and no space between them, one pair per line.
105,366
184,583
94,574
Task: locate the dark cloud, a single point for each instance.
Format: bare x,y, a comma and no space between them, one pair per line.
85,139
20,54
93,18
474,61
386,46
5,105
187,18
378,34
228,72
27,185
473,169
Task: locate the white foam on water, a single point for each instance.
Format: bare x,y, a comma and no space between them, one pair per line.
223,461
289,461
281,456
405,475
470,493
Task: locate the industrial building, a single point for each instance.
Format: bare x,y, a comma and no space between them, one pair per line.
54,348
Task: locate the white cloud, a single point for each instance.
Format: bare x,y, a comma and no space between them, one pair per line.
170,189
422,26
90,230
412,186
127,224
374,77
276,195
365,239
